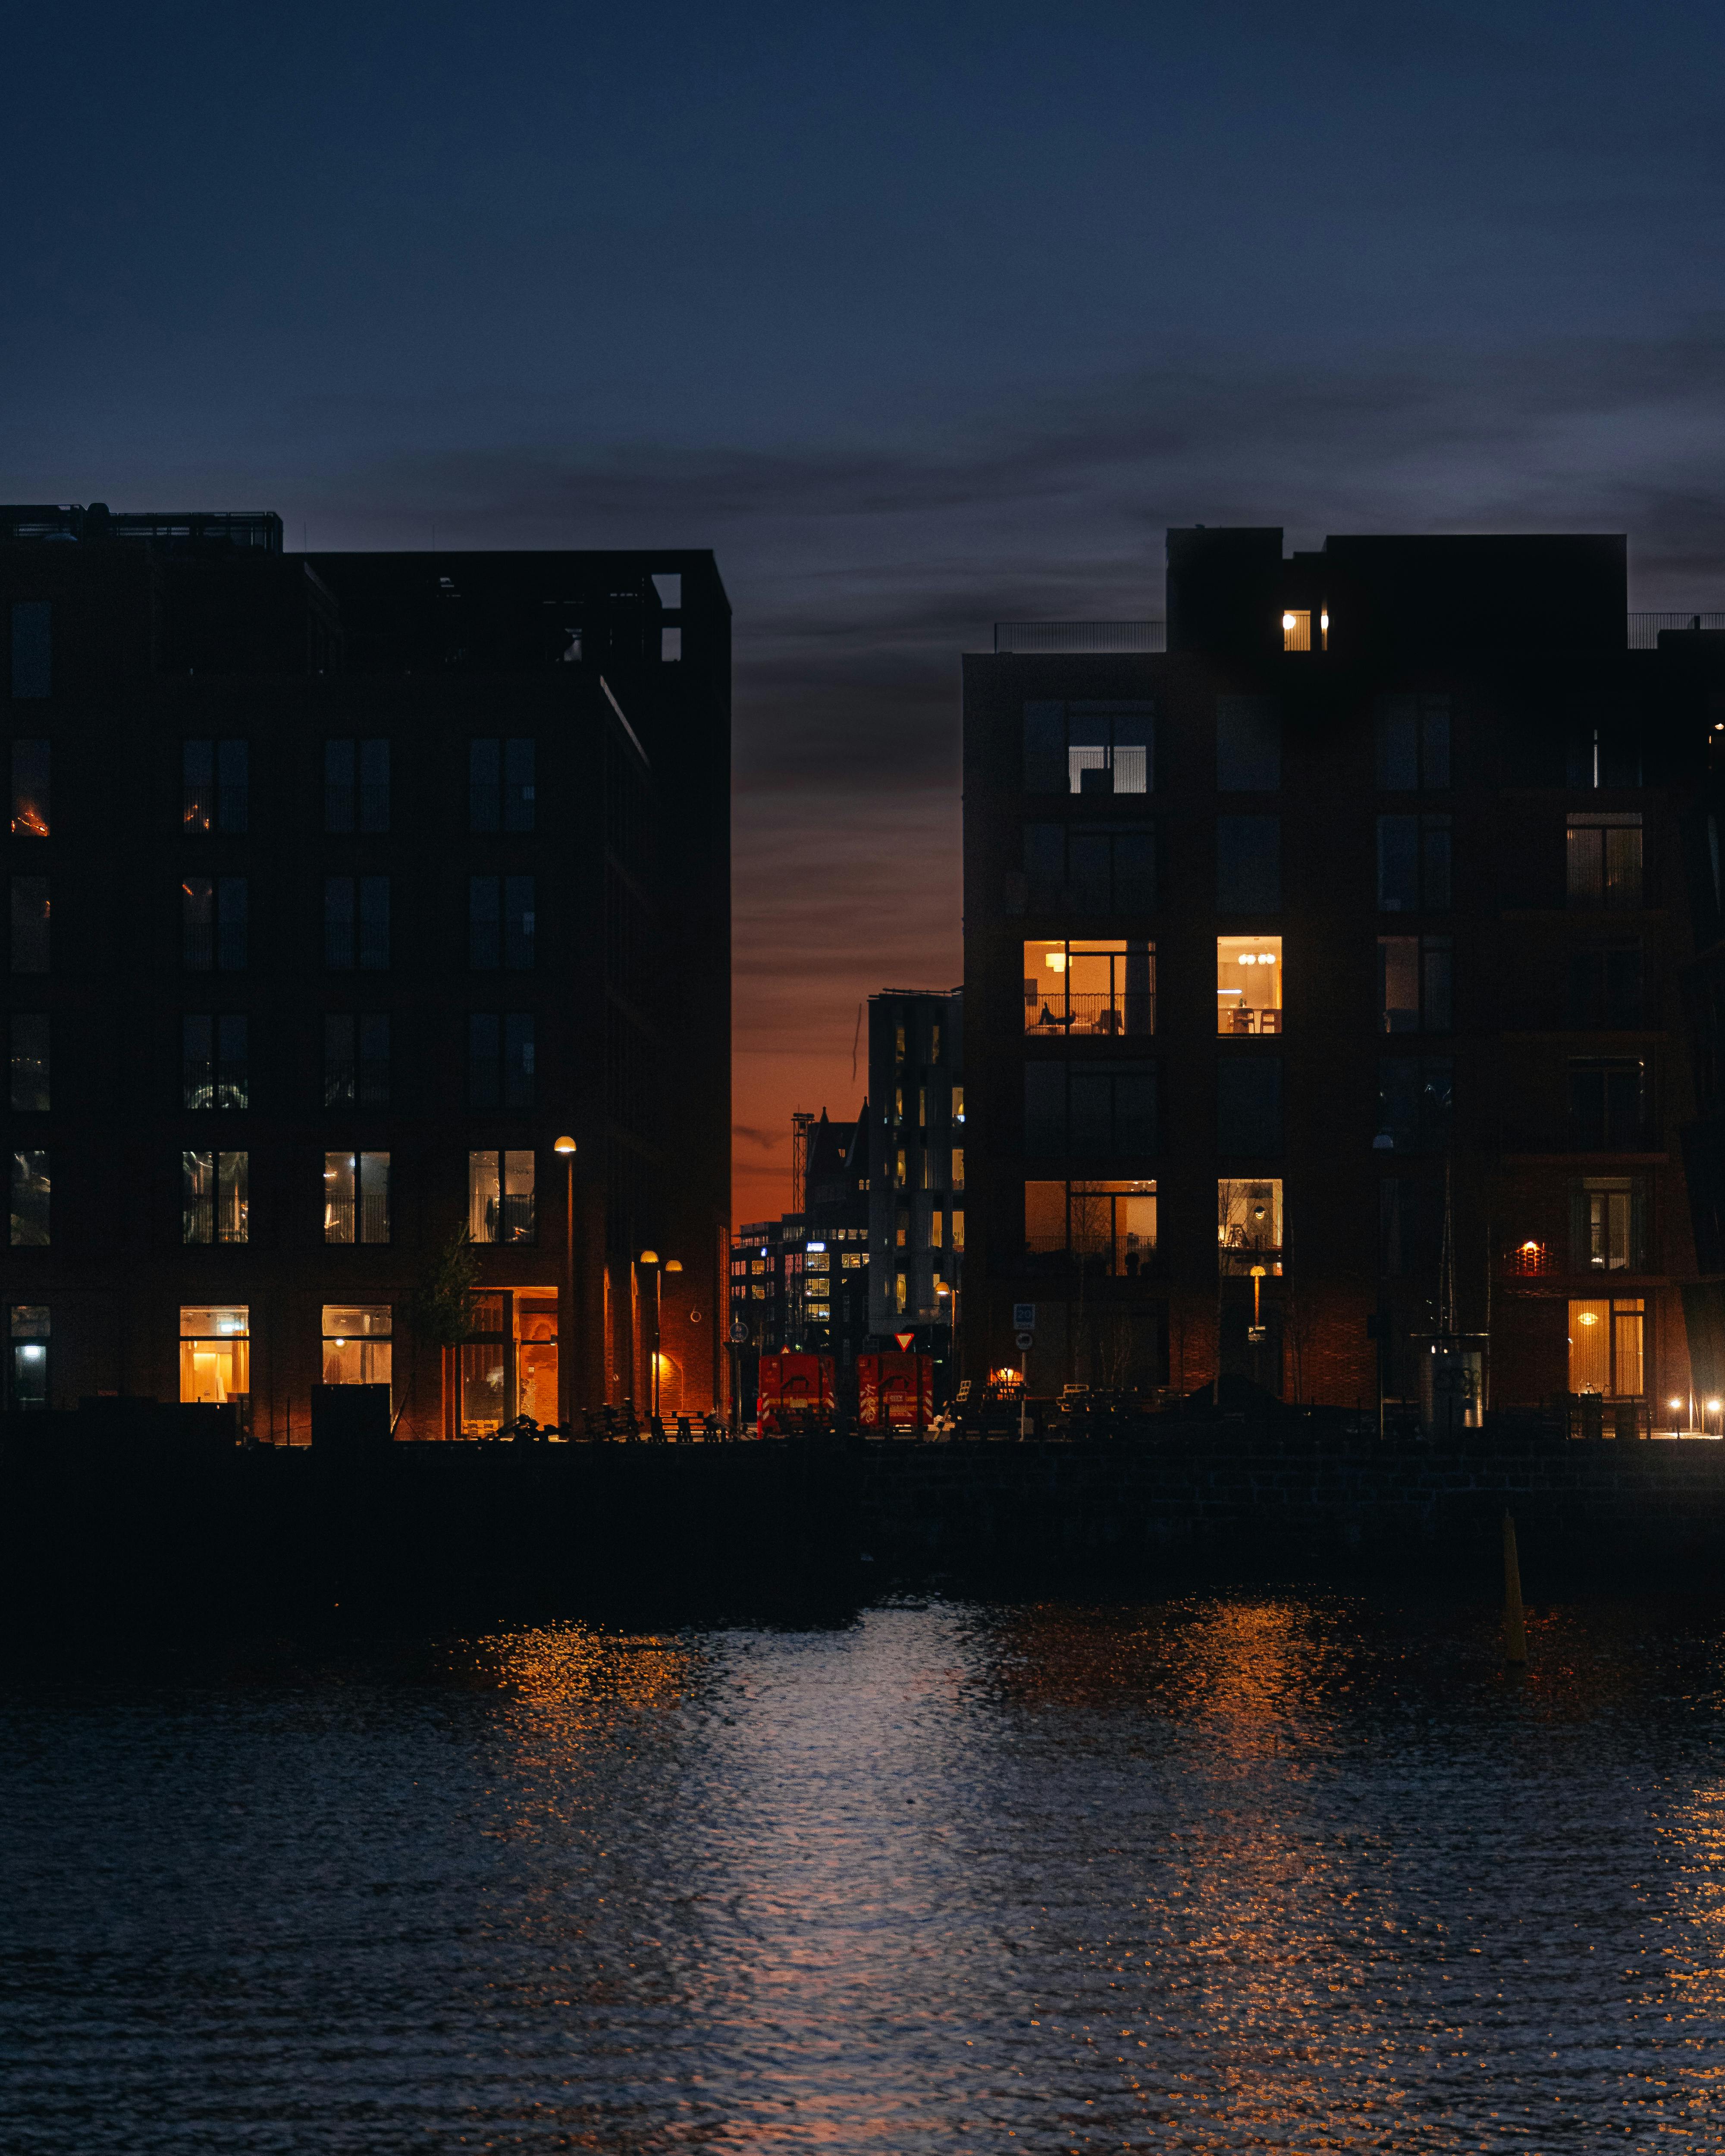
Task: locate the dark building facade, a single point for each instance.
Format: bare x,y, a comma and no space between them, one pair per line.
1343,968
342,886
916,1200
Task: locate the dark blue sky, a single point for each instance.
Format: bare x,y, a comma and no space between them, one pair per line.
920,316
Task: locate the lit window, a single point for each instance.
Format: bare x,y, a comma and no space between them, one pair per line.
957,1229
1606,1348
1296,628
356,1343
28,1376
215,1197
501,1198
957,1104
1248,984
355,1197
30,808
1100,1228
1248,1225
215,1352
1092,987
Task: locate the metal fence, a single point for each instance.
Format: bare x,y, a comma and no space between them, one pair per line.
1069,636
1643,628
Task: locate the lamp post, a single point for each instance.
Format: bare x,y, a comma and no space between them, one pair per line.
566,1329
651,1258
670,1266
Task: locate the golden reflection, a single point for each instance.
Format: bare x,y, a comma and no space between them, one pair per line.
577,1663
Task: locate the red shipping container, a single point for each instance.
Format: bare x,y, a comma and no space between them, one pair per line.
792,1385
895,1392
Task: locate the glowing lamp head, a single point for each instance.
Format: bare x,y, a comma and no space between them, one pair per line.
563,1145
1287,621
1712,1407
648,1257
1056,962
1588,1317
674,1264
1677,1403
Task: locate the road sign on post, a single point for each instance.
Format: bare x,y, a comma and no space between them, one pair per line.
1026,1339
1023,1317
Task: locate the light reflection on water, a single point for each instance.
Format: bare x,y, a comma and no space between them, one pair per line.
1291,1872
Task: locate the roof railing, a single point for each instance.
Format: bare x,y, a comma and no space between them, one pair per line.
1065,636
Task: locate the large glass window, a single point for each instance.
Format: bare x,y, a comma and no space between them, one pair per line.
215,1067
1249,1105
500,1059
1095,987
1414,1103
1412,743
356,785
1414,863
357,1344
30,1066
30,1189
1249,984
215,1197
1604,860
1608,1104
1090,1110
355,1197
502,919
215,786
355,1059
1090,868
1248,864
355,923
1107,1229
29,1341
215,1352
1097,748
32,648
509,1366
30,803
1606,1348
1605,993
1248,1225
1248,745
1414,983
500,784
500,1197
214,923
29,924
1608,1224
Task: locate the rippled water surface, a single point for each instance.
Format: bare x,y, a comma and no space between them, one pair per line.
1240,1872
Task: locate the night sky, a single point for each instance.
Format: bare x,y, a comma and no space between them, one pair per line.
921,317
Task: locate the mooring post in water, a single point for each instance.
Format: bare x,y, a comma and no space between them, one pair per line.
1515,1631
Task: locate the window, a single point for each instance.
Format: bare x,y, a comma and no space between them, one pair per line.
1410,1225
1608,1224
355,923
500,1197
668,584
1606,988
958,1167
30,1071
1105,988
215,786
1413,743
214,1197
356,1343
900,1283
1296,628
356,785
1608,1105
1249,1104
1606,1348
355,1059
1248,864
1248,745
27,1391
29,924
30,1185
1248,1225
32,648
355,1197
1414,863
213,923
500,917
1088,867
500,1060
1090,748
508,1367
958,1105
1414,980
1604,860
30,803
214,1066
215,1352
1248,984
1414,1102
1603,755
1090,1110
501,785
957,1229
670,645
1106,1229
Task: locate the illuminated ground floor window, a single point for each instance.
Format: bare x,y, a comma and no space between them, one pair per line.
215,1352
27,1388
1248,1225
356,1343
1607,1342
509,1368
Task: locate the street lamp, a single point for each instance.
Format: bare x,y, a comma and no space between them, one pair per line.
566,1329
651,1258
670,1266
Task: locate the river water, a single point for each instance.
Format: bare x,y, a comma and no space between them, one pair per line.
1245,1871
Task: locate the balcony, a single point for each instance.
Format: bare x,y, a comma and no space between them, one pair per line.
1058,638
1103,988
1644,628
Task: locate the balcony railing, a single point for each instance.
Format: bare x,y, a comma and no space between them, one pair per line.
1643,628
1129,1011
1059,637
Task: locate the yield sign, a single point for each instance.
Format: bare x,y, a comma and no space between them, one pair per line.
905,1340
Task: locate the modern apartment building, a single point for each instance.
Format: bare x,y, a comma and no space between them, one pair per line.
916,1198
342,887
1343,968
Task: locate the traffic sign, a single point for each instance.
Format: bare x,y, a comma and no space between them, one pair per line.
739,1335
1024,1316
1027,1340
906,1341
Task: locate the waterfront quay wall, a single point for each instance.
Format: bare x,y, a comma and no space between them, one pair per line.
167,1517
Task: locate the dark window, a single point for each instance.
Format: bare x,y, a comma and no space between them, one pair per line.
1249,1104
1090,748
355,1197
1091,868
213,923
500,1060
1604,860
30,1071
1608,1105
1090,1110
31,764
1596,756
32,648
1606,988
355,1059
356,785
215,786
1413,743
214,1063
1248,745
1248,864
30,1183
1415,983
1608,1224
214,1197
500,784
519,788
1410,1223
1413,872
1414,1103
355,923
501,920
29,924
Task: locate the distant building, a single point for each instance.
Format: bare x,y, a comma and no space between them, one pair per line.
917,1196
342,886
1343,967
